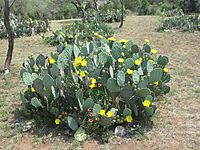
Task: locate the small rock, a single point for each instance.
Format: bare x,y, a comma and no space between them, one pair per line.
15,124
120,131
26,128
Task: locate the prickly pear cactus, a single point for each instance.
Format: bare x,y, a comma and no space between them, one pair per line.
96,86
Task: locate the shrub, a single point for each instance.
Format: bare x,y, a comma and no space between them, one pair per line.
173,12
184,23
79,32
94,87
25,27
143,7
108,15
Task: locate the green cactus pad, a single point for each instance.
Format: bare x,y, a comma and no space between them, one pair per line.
112,85
121,78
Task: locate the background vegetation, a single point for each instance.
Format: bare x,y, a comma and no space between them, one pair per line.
63,9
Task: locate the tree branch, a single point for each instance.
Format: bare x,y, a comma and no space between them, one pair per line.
12,4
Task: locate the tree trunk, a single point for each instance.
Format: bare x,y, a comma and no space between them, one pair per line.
96,5
10,37
122,15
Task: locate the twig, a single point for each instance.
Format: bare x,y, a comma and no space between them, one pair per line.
12,4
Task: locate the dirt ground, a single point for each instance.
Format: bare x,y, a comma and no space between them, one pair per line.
178,124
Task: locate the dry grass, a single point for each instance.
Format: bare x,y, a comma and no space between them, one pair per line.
178,126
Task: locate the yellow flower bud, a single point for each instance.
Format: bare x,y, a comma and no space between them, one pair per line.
52,61
129,71
112,39
33,89
138,62
102,112
146,103
57,121
109,114
129,119
121,60
166,70
154,51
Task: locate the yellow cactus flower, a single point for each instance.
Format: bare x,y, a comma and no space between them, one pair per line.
92,86
146,103
112,39
52,61
166,70
76,64
122,53
102,112
138,62
93,81
146,41
121,60
33,89
83,73
57,121
83,63
79,61
154,51
96,34
129,71
123,41
101,37
109,114
155,83
129,118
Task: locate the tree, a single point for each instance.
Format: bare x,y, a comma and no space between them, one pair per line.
95,4
83,5
9,31
122,13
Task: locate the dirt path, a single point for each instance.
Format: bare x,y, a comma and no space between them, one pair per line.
178,126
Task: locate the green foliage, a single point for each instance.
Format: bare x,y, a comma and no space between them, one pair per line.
143,7
79,32
105,15
168,7
183,23
88,89
26,27
172,12
45,9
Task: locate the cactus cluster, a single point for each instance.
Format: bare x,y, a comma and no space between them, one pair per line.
26,27
79,32
101,84
184,23
105,15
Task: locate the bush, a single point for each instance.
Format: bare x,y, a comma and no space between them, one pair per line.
109,15
183,23
95,87
25,27
79,32
172,13
143,7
